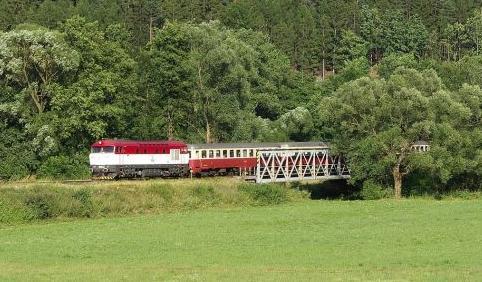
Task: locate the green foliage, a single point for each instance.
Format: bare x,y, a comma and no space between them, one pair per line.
198,75
373,191
266,194
82,206
376,122
51,201
72,72
41,204
391,32
34,60
12,167
296,125
64,167
391,62
352,47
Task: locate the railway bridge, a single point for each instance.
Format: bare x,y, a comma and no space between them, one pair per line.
285,165
300,164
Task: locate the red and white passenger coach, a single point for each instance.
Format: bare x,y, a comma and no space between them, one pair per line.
236,158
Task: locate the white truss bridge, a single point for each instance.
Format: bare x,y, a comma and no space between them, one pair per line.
285,165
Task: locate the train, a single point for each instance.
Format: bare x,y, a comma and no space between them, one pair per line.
114,159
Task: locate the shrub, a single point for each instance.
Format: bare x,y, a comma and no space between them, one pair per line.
82,205
13,167
50,201
63,167
41,204
265,194
373,191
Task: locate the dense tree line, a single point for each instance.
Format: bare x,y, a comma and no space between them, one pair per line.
372,76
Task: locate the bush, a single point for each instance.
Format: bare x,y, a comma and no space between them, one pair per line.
41,201
13,167
63,167
373,191
41,205
266,194
82,205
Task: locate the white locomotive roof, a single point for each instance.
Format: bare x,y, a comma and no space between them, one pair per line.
277,145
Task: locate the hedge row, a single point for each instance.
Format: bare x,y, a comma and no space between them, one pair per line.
47,201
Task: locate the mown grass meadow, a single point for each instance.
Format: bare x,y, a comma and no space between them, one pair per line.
407,240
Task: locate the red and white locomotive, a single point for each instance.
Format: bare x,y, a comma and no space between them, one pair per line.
126,158
131,159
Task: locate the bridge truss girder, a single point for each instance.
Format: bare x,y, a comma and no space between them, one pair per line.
298,165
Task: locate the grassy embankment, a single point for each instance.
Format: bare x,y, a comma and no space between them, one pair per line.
21,202
415,239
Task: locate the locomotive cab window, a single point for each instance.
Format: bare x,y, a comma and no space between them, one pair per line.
108,149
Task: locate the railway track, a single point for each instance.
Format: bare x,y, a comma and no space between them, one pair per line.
55,181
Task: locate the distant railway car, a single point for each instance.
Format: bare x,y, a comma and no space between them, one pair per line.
131,159
235,158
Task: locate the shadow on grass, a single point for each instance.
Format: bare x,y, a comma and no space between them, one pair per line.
331,190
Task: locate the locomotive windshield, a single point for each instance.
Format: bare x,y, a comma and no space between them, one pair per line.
108,149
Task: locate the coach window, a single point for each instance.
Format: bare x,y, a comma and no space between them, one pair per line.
238,153
203,154
245,153
225,153
251,153
211,154
218,153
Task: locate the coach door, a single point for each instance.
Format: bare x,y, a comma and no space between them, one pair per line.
121,152
175,156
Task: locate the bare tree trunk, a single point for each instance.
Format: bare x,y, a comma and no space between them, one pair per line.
208,132
334,54
151,36
170,127
397,180
323,72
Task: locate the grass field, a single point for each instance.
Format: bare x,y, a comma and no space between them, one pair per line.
412,239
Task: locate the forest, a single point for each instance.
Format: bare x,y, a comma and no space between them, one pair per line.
370,77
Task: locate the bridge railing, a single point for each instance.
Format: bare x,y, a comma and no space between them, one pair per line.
284,165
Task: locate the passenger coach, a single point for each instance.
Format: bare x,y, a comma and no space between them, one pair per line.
235,158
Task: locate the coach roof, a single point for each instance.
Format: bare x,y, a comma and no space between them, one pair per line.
280,145
122,142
